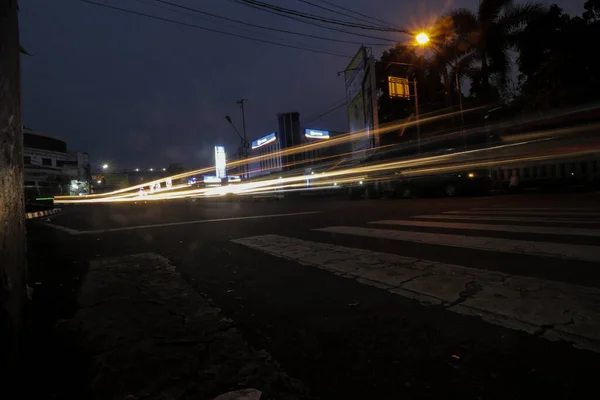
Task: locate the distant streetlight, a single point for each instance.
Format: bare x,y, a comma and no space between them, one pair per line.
164,169
422,38
137,170
105,166
151,169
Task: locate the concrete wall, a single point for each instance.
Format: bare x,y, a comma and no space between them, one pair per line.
13,272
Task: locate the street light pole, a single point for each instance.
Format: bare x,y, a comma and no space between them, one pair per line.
417,117
245,143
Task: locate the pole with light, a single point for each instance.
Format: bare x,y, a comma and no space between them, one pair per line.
423,39
243,142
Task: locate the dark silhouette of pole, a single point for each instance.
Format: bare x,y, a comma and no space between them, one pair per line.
245,143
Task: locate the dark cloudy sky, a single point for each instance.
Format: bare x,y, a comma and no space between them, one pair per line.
143,93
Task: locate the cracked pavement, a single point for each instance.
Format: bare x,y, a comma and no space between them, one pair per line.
555,309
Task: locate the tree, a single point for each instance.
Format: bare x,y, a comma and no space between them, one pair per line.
13,269
555,63
486,37
592,10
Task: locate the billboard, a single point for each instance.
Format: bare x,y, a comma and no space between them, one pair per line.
316,134
220,161
271,137
361,102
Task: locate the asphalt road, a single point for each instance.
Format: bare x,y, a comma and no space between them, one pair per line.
488,297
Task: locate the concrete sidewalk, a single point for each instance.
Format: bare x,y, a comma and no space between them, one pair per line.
151,336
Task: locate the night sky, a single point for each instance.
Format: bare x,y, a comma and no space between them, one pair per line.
138,92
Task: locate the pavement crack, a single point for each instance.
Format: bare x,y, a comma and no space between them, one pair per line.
470,291
407,281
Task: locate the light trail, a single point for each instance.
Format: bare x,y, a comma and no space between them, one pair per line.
459,159
409,168
348,137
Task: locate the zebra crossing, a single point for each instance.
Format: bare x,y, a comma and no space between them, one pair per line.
552,310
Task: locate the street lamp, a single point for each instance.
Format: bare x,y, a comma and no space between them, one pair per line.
105,166
422,38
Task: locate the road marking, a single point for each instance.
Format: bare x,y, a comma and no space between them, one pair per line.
530,213
497,228
515,219
544,249
70,231
537,209
552,310
203,221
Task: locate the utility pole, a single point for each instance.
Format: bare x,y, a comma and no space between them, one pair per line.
417,116
460,103
13,264
245,144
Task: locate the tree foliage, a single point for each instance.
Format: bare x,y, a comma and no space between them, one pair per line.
556,63
554,54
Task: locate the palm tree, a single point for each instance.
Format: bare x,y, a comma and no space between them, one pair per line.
484,38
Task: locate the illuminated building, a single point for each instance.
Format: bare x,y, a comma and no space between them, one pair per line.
51,169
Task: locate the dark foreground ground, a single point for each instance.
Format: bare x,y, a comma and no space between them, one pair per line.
339,337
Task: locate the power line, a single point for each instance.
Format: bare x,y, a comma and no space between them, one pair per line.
265,27
313,23
385,23
207,18
271,7
213,30
335,11
318,117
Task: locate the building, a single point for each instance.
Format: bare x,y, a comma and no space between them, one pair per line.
270,149
324,155
51,169
289,136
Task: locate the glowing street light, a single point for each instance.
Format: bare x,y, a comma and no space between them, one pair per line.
422,38
105,166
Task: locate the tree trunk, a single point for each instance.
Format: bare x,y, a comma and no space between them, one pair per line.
13,267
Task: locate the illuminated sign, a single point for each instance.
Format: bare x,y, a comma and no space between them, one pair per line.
271,137
398,88
234,178
316,134
212,179
220,161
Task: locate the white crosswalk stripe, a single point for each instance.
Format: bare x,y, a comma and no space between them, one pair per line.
509,219
535,209
547,249
557,213
552,310
498,228
570,311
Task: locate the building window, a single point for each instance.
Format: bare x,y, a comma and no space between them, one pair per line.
47,161
27,160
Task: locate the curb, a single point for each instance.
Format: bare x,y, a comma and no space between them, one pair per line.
40,214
